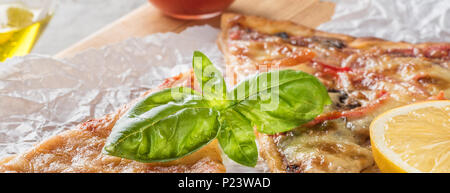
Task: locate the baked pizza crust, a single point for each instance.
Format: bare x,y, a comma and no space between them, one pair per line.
268,26
267,147
267,144
80,149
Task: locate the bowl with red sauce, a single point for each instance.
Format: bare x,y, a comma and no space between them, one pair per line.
192,9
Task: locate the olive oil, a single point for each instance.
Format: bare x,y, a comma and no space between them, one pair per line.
20,27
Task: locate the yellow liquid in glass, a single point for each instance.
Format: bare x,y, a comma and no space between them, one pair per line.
16,38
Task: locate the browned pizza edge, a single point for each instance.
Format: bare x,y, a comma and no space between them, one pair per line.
267,147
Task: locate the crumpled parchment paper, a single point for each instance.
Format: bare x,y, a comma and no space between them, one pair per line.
396,20
41,96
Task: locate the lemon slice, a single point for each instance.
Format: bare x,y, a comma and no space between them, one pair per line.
413,138
19,17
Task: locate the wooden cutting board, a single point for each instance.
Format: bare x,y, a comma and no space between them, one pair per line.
147,19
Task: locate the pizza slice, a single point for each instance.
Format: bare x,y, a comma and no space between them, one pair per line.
80,149
364,77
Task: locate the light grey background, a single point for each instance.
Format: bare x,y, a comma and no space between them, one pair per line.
75,19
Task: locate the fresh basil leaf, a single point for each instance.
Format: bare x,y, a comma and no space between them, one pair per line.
237,139
175,122
165,126
279,101
177,94
209,77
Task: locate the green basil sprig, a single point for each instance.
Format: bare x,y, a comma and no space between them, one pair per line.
175,122
209,77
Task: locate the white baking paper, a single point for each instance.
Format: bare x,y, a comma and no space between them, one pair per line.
41,96
396,20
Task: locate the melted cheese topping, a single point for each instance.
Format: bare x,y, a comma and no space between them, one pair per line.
366,79
331,148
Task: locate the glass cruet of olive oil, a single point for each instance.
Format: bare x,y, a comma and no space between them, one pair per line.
21,24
